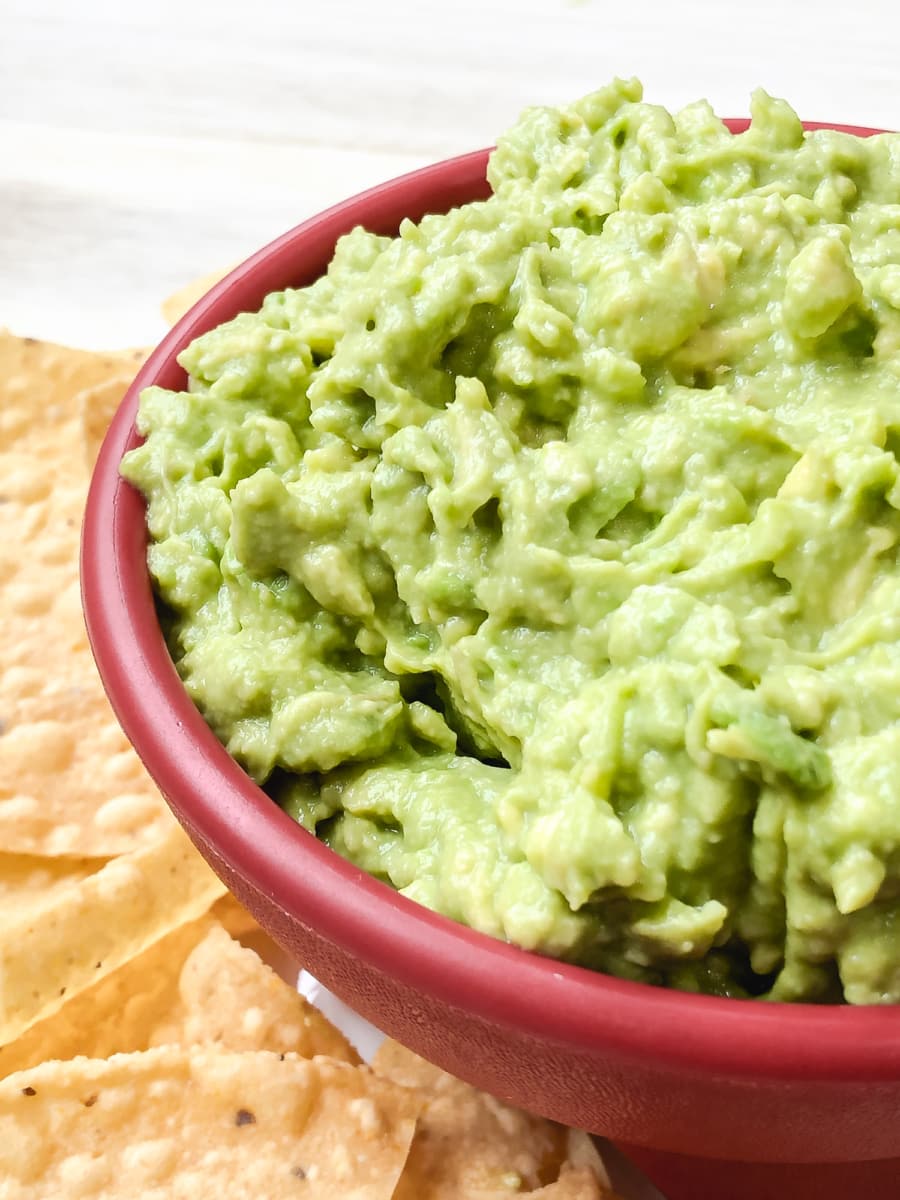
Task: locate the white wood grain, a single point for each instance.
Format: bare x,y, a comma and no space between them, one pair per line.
141,145
97,228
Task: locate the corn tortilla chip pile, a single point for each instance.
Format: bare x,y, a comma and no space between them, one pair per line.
70,785
176,1121
146,1047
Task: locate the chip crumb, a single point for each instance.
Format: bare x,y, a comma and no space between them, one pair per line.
243,1116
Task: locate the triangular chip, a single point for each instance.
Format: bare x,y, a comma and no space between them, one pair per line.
230,913
115,1014
227,995
175,1123
175,306
29,883
196,985
96,924
39,383
70,784
98,406
468,1144
245,929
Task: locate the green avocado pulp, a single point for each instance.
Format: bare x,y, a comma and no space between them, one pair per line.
543,559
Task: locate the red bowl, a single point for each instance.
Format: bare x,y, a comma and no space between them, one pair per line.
691,1084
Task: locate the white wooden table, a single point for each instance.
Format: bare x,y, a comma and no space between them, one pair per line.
143,145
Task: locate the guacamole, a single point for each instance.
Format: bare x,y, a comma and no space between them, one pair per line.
543,559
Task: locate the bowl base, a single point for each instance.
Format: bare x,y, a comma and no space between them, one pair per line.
680,1177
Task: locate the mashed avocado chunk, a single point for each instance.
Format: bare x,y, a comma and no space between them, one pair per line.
543,559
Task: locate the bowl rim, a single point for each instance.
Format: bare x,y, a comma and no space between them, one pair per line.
500,983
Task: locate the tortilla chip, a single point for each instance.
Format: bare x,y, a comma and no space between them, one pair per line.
469,1144
115,1014
188,1123
227,995
32,882
230,913
194,986
180,302
574,1183
244,928
70,784
39,383
98,405
95,925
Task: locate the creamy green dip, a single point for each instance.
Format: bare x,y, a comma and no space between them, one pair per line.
543,560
